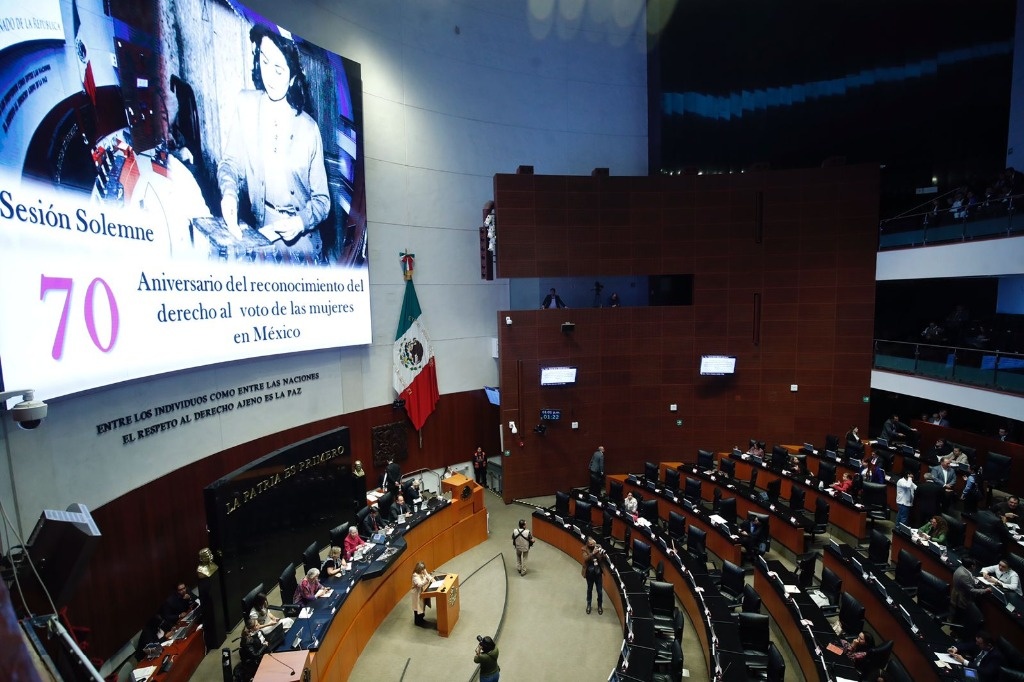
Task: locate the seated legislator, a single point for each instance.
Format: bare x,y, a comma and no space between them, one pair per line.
374,522
176,606
958,456
352,542
1002,576
1008,509
756,450
400,508
334,564
630,503
265,620
251,650
752,536
981,655
870,471
857,649
939,450
935,530
309,589
853,437
844,485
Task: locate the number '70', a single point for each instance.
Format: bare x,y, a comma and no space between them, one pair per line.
64,284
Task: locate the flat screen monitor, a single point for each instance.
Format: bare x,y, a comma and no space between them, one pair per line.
557,376
651,471
705,460
136,272
493,395
717,365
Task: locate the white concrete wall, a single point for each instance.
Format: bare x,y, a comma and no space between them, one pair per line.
454,92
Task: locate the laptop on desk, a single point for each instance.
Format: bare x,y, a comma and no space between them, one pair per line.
848,498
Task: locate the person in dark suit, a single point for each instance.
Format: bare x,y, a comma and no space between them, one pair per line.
938,451
373,522
553,300
400,508
893,429
982,655
176,606
391,482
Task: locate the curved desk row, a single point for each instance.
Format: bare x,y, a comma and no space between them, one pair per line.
891,613
800,620
786,528
342,624
694,588
851,518
1002,618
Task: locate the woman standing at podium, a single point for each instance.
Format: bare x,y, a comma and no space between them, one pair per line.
420,580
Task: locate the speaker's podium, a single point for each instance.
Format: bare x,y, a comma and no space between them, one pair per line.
285,666
446,600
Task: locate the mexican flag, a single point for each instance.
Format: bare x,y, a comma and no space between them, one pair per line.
415,378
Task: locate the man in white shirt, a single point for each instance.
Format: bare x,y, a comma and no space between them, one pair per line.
905,488
1001,575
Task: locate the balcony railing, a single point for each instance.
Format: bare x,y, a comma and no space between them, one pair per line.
986,220
995,370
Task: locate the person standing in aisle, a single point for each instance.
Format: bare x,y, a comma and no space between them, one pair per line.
480,466
522,540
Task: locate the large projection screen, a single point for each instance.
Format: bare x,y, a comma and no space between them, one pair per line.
181,184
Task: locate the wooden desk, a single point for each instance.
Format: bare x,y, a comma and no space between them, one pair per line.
447,602
850,519
285,666
446,533
886,621
186,654
997,619
718,543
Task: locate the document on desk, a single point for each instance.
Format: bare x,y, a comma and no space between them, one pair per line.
946,658
143,673
435,586
306,612
792,589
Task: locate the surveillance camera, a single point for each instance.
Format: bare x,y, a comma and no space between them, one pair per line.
508,321
29,413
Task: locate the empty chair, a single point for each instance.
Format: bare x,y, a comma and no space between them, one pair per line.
288,585
969,621
384,503
876,659
1011,654
776,670
668,620
310,557
997,470
365,511
831,442
705,460
822,509
878,548
732,582
605,533
696,543
805,565
648,509
826,473
561,503
582,514
692,490
751,600
933,596
797,495
752,483
990,523
651,472
753,631
956,532
672,480
986,549
727,510
774,489
642,558
727,467
908,572
676,525
851,614
832,588
873,497
668,664
615,492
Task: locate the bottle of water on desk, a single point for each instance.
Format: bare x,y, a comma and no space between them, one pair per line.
944,556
